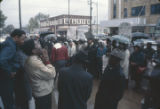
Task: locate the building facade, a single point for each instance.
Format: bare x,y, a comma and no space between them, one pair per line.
143,15
60,24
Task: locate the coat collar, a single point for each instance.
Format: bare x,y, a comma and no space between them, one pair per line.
78,67
11,41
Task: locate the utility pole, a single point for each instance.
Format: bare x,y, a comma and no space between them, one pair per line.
91,16
39,22
68,13
20,21
0,17
96,3
97,17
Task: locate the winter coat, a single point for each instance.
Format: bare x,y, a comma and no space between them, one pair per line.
41,76
8,59
149,53
74,88
71,50
111,88
125,63
101,51
138,58
59,53
92,57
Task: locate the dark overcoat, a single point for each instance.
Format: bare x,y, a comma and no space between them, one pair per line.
74,88
111,88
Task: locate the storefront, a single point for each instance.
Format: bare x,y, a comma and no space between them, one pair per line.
135,23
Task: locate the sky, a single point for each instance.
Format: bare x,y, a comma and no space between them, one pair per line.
52,7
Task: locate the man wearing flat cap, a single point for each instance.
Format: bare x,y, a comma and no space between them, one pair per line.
112,86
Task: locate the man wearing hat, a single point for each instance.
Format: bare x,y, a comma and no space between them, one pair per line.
137,65
149,51
92,56
112,86
156,55
74,84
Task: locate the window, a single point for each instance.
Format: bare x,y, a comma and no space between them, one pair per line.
115,9
138,11
155,9
125,13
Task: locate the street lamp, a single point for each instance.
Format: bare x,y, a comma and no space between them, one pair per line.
68,13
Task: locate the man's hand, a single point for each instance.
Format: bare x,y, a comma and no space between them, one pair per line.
45,53
45,57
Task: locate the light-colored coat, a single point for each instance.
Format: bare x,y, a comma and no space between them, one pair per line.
125,63
41,76
71,50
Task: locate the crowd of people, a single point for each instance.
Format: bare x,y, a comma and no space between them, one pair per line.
34,68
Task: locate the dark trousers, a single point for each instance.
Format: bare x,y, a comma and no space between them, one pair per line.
22,90
136,76
6,93
23,106
99,67
43,102
113,105
60,64
106,105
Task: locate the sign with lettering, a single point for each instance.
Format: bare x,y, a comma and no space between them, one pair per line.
125,29
63,21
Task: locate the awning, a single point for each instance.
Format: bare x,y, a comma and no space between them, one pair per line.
117,22
62,29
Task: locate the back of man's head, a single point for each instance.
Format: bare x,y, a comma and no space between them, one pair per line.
80,58
17,32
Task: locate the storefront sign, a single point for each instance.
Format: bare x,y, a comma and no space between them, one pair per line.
125,29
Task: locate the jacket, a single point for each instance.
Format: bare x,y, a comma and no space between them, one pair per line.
125,63
71,50
138,58
59,54
8,58
101,51
41,76
74,86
